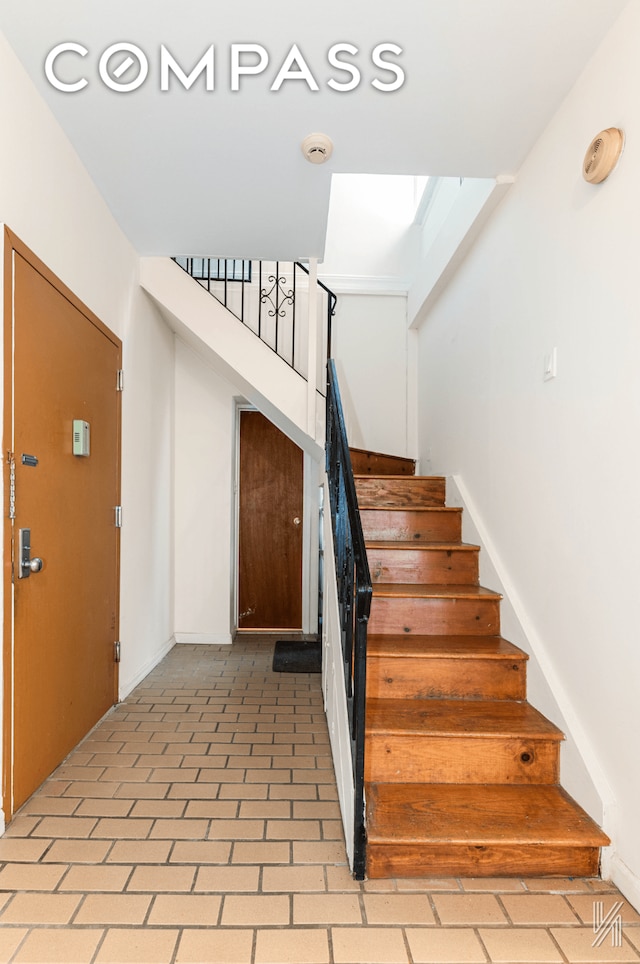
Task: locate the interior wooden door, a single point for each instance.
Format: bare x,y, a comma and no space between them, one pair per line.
270,527
60,668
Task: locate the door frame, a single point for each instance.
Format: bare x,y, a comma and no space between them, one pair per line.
310,544
11,243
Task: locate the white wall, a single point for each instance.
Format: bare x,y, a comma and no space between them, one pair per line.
552,467
374,353
49,201
204,505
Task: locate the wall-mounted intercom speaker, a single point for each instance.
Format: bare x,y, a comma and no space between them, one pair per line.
81,437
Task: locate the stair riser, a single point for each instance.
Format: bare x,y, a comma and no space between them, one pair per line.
408,678
433,617
457,759
496,860
401,492
374,463
443,567
408,525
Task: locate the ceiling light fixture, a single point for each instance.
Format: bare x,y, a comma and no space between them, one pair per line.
317,148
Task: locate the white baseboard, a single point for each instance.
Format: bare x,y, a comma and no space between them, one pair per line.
126,686
625,880
2,823
201,639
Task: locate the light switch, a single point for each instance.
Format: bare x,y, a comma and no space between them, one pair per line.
551,365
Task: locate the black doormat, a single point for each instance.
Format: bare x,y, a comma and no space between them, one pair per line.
291,656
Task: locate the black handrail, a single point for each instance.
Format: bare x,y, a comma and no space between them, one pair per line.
271,312
354,597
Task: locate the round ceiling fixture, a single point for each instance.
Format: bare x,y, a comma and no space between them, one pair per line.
602,155
317,148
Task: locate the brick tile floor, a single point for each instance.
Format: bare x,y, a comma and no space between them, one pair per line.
198,824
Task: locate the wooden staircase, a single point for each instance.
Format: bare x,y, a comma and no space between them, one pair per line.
461,773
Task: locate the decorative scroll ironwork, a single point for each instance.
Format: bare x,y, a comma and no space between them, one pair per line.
238,285
354,598
277,296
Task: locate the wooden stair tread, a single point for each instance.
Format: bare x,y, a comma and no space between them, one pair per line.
400,590
471,719
378,507
421,546
438,647
412,478
480,815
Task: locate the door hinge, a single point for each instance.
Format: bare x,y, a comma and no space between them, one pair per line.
116,651
118,516
119,380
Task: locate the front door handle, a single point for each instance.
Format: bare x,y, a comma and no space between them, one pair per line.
26,565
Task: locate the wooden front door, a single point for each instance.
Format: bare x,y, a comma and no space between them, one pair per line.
60,673
270,537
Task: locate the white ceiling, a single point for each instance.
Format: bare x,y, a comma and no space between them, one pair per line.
221,173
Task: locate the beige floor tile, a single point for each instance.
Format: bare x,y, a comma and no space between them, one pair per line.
272,852
113,909
158,808
31,876
10,939
255,910
236,830
293,830
160,879
315,810
556,885
141,791
68,827
295,945
243,791
632,934
194,791
214,809
295,791
398,909
139,852
125,829
265,809
584,905
520,946
42,806
327,909
101,877
495,884
340,878
180,829
428,884
64,945
227,880
373,945
82,788
459,945
200,852
468,909
102,808
321,852
293,879
576,944
185,910
18,849
40,909
220,946
137,946
77,851
543,909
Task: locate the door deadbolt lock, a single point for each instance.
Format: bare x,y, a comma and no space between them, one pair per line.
296,521
26,565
